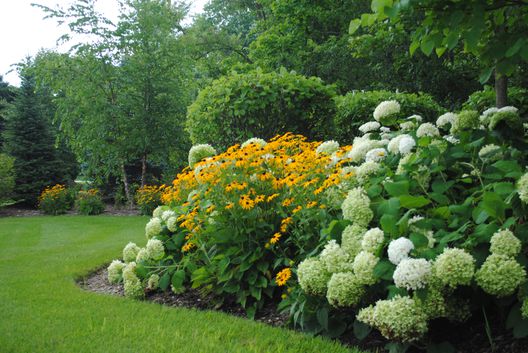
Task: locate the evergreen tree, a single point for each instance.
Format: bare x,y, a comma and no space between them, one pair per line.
29,139
7,94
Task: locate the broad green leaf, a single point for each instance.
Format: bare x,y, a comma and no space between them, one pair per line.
354,26
361,330
409,201
322,317
164,281
397,188
384,269
177,279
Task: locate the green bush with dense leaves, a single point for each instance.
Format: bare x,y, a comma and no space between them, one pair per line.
258,104
481,100
355,108
89,202
7,179
55,200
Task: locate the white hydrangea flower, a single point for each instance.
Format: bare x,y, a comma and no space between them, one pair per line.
399,249
369,126
267,156
115,270
452,139
167,214
415,219
356,207
334,258
522,188
394,144
376,155
344,290
254,141
385,129
445,119
130,252
158,211
199,152
132,284
155,249
406,145
142,255
427,129
360,147
490,153
372,240
490,111
365,170
327,147
153,227
351,239
172,224
386,108
415,117
407,125
412,274
363,267
153,281
313,276
508,109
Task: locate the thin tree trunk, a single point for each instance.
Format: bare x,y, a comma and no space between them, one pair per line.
126,185
501,90
143,170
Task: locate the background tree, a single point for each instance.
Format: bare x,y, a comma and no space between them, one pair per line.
494,31
7,94
29,139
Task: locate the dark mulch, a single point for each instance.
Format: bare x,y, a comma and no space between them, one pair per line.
20,211
191,298
469,337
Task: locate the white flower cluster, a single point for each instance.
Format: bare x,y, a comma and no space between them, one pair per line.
363,267
490,153
372,240
254,141
505,243
360,147
132,284
376,155
153,227
356,207
369,127
115,269
446,119
351,239
327,147
399,249
386,108
167,214
155,250
344,290
313,276
401,144
427,129
412,273
454,267
199,152
522,188
366,170
334,258
130,252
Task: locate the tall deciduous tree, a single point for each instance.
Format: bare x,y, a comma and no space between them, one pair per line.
495,31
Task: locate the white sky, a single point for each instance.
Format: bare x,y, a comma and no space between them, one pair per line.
23,31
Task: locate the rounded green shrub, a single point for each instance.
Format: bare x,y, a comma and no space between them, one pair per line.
89,202
355,108
257,104
482,100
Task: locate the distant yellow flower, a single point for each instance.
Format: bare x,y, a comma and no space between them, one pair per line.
275,238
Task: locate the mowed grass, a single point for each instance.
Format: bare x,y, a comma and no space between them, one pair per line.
43,310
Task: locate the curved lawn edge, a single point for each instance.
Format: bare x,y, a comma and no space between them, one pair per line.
44,310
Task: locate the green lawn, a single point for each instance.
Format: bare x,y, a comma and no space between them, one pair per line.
42,309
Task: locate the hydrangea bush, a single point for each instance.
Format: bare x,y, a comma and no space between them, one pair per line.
435,229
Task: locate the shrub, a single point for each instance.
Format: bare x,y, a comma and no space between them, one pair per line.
89,202
356,108
240,106
56,200
7,179
481,100
148,198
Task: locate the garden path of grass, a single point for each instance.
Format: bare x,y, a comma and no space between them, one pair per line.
43,310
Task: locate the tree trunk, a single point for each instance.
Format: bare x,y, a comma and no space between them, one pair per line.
501,90
143,170
126,185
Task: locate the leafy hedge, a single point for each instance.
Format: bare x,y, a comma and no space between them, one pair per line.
240,106
355,108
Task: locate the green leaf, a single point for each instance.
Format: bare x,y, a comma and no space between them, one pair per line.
485,75
441,186
440,51
419,240
412,48
164,281
409,201
388,224
520,330
177,279
427,46
384,269
354,26
514,48
141,271
494,205
255,292
361,330
397,188
322,317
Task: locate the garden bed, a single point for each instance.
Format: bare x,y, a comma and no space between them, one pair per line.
469,337
18,211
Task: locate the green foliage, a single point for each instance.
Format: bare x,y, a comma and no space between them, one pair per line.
482,100
28,137
355,109
56,200
89,202
494,32
257,104
7,179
